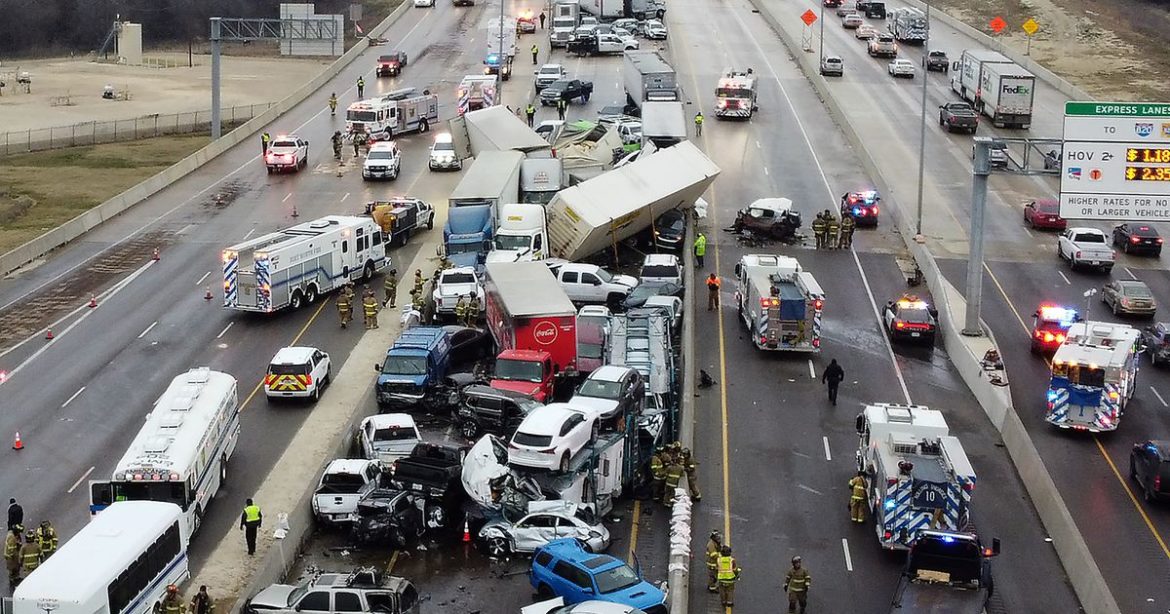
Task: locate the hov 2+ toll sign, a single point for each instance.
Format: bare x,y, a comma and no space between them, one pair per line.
1116,161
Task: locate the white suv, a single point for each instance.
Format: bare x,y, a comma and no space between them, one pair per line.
443,155
659,269
382,161
297,372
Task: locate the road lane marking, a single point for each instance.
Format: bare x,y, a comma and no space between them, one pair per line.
202,278
634,520
345,197
249,234
143,333
82,389
225,329
286,197
848,559
1064,277
79,481
812,372
765,170
390,564
1160,399
294,341
1129,272
828,455
812,490
877,315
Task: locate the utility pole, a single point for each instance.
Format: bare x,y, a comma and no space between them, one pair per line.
982,170
216,125
821,56
922,132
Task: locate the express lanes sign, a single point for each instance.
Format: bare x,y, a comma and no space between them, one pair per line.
1115,163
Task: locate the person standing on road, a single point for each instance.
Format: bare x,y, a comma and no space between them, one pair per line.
833,228
12,555
700,248
847,227
796,585
713,284
819,227
344,309
15,514
337,144
250,522
857,490
692,469
472,310
714,545
30,553
361,87
658,473
699,123
832,377
201,603
173,603
47,538
535,51
265,139
674,475
727,574
562,106
542,20
390,285
370,311
530,113
332,104
461,309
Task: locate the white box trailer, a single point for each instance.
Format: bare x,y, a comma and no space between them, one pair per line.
297,265
596,214
663,123
493,179
648,77
492,129
1007,95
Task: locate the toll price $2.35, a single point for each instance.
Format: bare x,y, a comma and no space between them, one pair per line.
1147,173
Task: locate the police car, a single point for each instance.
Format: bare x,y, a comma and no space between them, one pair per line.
1050,324
910,318
287,153
297,372
861,206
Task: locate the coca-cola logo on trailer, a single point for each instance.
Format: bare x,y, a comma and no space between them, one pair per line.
545,333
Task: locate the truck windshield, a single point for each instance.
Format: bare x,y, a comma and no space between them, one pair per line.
405,365
464,248
733,92
513,242
1089,237
519,370
361,116
170,492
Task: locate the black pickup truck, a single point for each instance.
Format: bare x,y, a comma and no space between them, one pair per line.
433,470
958,116
567,90
945,572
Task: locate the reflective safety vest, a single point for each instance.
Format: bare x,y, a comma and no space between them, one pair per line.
847,224
370,307
657,468
699,119
701,245
713,283
725,569
473,307
252,513
818,225
531,110
343,303
674,473
174,604
460,309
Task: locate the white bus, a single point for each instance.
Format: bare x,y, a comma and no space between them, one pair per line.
180,456
120,563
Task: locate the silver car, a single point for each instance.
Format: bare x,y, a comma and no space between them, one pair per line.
545,521
832,65
1129,297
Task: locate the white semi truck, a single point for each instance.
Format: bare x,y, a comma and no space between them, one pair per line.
781,304
995,86
521,235
597,214
295,266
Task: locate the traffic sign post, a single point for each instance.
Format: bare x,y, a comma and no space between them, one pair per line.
809,17
1115,164
1030,27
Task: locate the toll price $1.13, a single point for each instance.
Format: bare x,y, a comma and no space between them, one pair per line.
1147,173
1148,154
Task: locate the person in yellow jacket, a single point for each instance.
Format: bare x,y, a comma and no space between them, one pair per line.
250,521
472,310
796,585
30,553
370,311
12,555
658,473
714,545
47,538
727,574
700,249
857,490
461,309
344,308
173,603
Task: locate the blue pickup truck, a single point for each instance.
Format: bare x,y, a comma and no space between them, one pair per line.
415,367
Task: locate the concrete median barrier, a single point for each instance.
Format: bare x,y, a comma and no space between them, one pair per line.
966,353
85,222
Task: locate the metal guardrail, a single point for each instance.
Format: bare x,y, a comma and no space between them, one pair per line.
97,132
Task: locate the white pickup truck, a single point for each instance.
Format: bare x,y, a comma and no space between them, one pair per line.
589,283
1086,247
343,483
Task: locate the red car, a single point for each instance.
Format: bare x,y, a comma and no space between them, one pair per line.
1044,213
1050,326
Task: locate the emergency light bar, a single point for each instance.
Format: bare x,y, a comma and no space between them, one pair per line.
1056,313
911,304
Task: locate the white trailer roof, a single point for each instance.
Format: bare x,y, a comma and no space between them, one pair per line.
301,232
529,288
649,62
664,119
497,128
490,170
987,55
1104,344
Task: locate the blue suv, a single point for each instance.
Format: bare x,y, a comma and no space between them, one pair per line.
564,568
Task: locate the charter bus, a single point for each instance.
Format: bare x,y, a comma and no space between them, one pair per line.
181,454
120,563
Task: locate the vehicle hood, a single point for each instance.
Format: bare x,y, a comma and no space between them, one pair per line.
464,259
626,280
642,595
506,255
275,596
599,407
525,388
486,462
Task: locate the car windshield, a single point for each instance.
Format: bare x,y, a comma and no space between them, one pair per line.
733,92
379,155
1136,291
405,365
458,278
341,483
298,592
600,389
660,270
616,579
513,242
519,370
393,433
548,71
528,439
1089,237
917,316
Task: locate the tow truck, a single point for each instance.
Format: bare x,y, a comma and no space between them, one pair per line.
1050,324
399,218
861,206
910,318
1094,375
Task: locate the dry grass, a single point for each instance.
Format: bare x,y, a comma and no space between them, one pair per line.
46,189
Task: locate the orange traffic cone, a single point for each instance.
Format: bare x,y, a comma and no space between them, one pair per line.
466,529
17,444
92,301
207,295
48,334
155,256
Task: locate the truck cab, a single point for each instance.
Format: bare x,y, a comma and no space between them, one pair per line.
414,367
521,235
467,236
529,372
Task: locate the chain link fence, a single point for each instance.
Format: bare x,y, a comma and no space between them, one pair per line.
97,132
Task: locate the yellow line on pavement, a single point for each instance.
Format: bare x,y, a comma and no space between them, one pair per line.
390,564
634,532
304,328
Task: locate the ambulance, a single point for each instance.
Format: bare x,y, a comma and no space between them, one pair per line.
476,92
918,476
400,111
1094,375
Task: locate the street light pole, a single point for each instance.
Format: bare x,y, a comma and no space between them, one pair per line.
922,127
821,58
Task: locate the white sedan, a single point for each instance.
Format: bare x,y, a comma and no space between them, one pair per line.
549,438
901,67
546,521
422,3
654,30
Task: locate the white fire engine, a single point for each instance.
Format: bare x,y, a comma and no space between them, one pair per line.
1094,375
735,95
476,92
399,111
780,304
918,474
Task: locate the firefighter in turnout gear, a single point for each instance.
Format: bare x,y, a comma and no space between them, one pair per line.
727,574
658,473
674,475
445,264
419,282
30,553
692,468
344,309
370,311
796,585
857,490
461,309
390,285
847,227
12,555
337,145
833,230
333,104
173,603
714,545
472,310
47,538
819,228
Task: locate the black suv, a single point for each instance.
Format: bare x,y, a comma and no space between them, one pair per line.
484,409
1149,466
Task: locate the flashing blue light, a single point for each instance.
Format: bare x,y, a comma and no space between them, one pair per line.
857,211
889,504
948,539
1051,395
